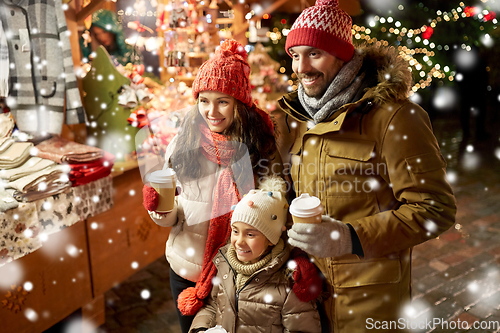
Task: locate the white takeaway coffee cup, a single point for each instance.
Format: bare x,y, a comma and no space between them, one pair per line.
306,209
163,181
216,329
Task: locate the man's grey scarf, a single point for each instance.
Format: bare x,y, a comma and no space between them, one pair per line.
341,91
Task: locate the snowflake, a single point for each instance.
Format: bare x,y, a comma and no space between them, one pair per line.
216,281
145,294
15,298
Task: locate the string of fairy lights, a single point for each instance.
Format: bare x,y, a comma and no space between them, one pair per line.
421,36
415,45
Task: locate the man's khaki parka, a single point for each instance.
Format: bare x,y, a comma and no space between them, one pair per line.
375,164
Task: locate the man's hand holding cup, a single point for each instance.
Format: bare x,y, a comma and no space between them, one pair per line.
316,234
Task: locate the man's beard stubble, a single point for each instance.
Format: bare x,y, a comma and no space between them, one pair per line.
317,90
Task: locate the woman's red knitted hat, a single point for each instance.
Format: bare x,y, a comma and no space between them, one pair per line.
227,72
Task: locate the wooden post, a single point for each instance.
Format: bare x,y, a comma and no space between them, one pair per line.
240,27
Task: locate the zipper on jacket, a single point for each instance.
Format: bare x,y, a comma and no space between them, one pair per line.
237,294
236,298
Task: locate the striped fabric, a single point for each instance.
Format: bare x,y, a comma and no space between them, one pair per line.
41,73
324,26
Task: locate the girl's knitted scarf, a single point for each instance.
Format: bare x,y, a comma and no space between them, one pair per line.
217,149
244,269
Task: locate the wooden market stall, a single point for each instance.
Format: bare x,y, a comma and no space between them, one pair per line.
85,254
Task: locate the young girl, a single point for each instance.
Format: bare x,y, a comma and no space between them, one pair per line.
253,290
207,164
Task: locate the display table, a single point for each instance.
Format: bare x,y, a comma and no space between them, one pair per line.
79,262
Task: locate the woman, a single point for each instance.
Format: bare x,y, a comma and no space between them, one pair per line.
209,157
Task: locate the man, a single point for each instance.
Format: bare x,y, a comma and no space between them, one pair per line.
356,142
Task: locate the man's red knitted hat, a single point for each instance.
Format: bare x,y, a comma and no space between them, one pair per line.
227,72
324,26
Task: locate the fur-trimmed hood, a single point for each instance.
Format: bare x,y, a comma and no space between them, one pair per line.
393,77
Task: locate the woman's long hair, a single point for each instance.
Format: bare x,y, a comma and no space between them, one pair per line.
248,128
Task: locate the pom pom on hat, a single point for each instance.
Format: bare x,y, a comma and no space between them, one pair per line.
324,26
273,184
266,213
227,72
233,47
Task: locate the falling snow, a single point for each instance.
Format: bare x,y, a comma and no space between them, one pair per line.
431,226
216,281
190,251
72,250
451,176
292,264
445,98
31,315
145,294
268,298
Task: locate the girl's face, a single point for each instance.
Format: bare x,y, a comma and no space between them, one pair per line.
249,243
217,109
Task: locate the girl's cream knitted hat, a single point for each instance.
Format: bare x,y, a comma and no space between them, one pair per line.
265,208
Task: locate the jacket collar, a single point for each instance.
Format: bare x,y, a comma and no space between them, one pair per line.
272,266
290,104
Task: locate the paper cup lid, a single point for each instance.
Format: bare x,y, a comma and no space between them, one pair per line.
216,329
306,206
162,176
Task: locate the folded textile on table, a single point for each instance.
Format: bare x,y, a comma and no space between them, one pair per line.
32,165
41,180
5,143
84,173
15,155
30,196
61,150
7,201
